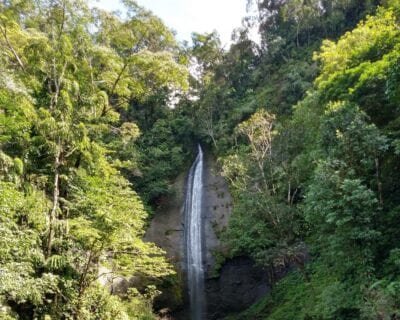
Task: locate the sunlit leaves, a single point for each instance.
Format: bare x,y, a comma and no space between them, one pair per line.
27,209
358,65
370,40
66,74
346,134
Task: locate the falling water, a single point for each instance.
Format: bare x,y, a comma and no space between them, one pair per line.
193,238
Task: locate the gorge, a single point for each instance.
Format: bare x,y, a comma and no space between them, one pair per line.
230,285
263,185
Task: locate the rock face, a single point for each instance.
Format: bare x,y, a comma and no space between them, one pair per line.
166,230
217,208
167,227
238,283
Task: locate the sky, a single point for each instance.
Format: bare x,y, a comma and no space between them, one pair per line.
187,16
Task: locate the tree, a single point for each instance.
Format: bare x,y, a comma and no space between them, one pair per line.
259,131
340,211
65,207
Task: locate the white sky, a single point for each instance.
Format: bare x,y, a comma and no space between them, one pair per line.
187,16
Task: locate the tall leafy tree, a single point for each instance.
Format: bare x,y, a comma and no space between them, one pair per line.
68,74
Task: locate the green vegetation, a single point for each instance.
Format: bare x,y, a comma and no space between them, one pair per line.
70,137
306,129
305,126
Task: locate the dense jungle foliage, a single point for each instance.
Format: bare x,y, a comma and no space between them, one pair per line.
305,126
84,98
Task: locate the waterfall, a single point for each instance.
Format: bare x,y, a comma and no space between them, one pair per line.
194,238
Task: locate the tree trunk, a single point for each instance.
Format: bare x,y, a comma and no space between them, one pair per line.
264,179
56,195
11,48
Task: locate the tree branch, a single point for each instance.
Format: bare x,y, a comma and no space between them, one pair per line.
3,29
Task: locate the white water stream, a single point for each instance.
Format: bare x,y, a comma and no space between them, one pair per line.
194,238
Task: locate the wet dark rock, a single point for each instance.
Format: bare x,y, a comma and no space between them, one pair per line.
240,284
237,284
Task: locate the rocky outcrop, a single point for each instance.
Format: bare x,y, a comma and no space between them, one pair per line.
217,208
166,230
167,226
239,285
232,287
